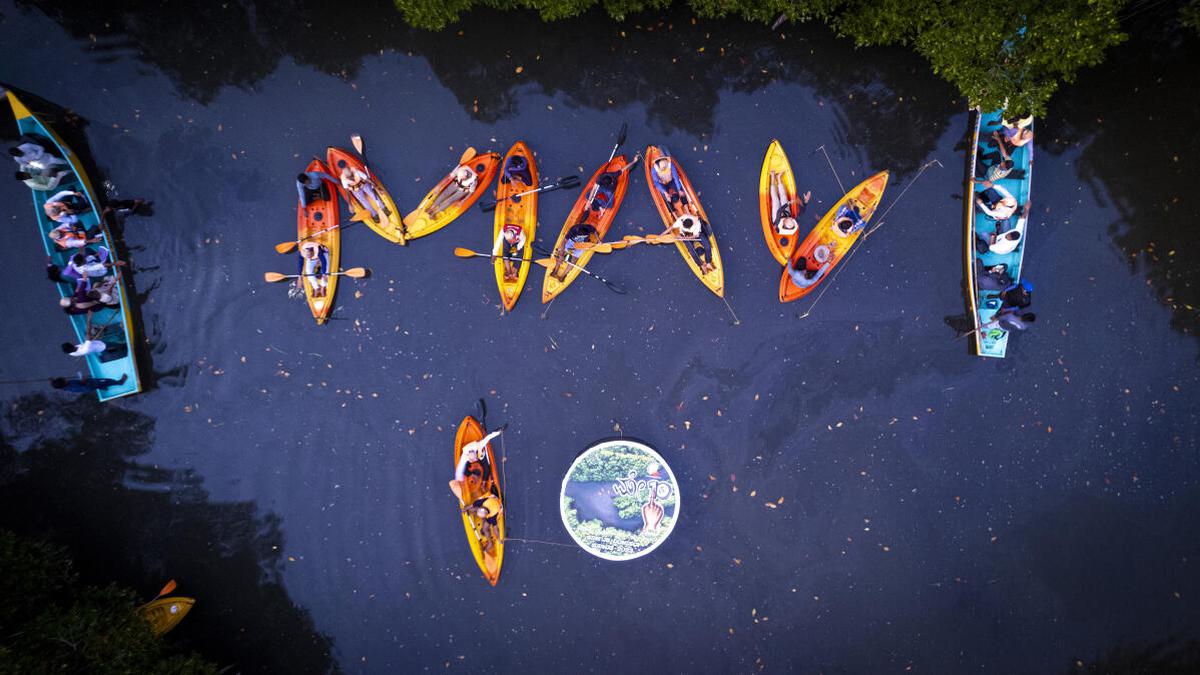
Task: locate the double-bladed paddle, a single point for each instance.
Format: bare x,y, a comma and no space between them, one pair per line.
548,263
355,272
565,182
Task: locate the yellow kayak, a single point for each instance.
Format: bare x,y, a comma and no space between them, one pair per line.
165,613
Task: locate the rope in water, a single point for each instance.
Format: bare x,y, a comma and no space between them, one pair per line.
858,245
539,541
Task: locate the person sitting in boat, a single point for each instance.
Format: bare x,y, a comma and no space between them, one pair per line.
462,183
82,385
358,184
1018,295
1005,241
32,152
488,509
671,188
514,237
516,168
996,202
472,469
41,180
804,276
310,186
782,217
314,266
83,301
90,265
848,220
992,278
606,187
1015,132
689,226
69,236
64,207
90,344
582,231
994,166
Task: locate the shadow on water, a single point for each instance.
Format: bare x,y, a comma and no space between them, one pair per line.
78,481
1127,115
674,65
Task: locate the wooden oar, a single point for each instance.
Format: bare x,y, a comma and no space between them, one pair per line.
356,272
567,182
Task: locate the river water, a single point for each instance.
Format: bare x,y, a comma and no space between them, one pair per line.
932,510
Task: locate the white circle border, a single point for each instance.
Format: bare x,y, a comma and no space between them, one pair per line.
648,450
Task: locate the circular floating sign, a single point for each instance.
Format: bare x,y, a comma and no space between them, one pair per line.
619,500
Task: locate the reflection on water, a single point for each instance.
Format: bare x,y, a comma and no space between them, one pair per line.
674,65
70,471
1139,150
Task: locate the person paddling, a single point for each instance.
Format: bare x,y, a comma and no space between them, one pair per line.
314,266
580,232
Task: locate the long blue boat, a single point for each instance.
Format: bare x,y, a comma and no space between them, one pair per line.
989,339
118,358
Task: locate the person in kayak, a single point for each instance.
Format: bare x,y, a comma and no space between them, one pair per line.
314,266
802,275
82,385
64,207
310,186
688,223
462,183
358,184
488,509
995,202
514,237
516,168
471,477
606,187
579,233
848,220
693,227
782,219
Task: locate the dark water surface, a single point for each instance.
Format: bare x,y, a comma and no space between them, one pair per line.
938,511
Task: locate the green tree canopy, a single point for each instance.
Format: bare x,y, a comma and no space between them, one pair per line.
1012,54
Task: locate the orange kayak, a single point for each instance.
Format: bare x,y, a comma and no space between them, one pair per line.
714,279
422,222
469,430
781,244
520,211
862,198
318,223
388,226
599,214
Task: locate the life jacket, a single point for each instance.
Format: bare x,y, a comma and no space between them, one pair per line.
489,503
69,234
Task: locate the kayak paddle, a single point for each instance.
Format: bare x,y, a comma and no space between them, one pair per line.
356,272
566,182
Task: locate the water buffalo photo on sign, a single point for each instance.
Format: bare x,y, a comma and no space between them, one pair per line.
619,500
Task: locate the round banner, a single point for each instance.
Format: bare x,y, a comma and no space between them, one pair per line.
619,500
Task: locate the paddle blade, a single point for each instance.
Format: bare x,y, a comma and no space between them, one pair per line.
487,207
272,277
622,134
465,252
356,272
548,263
357,142
467,155
166,589
360,216
285,247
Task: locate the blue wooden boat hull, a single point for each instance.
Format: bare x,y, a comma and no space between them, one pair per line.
118,359
992,342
